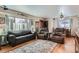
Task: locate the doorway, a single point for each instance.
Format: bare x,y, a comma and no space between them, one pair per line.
44,24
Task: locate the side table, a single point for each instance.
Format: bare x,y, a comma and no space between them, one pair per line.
47,36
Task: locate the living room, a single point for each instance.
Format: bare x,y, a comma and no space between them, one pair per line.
39,29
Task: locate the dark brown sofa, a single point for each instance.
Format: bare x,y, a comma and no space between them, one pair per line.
58,35
43,34
57,38
63,31
60,31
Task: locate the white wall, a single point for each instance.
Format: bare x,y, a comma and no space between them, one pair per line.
50,25
56,23
74,26
34,25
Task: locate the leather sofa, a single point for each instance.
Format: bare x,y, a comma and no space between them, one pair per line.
42,34
15,38
63,31
58,38
60,31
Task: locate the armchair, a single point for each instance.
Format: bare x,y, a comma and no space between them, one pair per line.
57,38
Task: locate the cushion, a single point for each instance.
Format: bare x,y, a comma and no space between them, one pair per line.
20,33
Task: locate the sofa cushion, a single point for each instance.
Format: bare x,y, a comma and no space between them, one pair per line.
59,30
24,36
57,39
19,33
26,32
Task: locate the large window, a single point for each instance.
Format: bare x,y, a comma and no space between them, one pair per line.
18,24
64,23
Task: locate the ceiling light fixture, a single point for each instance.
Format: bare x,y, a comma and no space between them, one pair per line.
61,16
4,7
61,13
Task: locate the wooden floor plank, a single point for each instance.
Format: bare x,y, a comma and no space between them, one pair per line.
67,47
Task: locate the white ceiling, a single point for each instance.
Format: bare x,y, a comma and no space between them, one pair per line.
47,10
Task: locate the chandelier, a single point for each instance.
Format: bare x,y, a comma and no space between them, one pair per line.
61,13
61,16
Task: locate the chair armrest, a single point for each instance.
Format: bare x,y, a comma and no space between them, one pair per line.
11,39
11,36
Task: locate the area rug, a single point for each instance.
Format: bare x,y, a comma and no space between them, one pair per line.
38,46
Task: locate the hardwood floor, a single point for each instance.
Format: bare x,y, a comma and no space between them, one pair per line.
67,47
8,48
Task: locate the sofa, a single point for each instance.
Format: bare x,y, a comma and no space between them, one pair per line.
63,31
18,37
42,34
58,35
60,31
58,38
